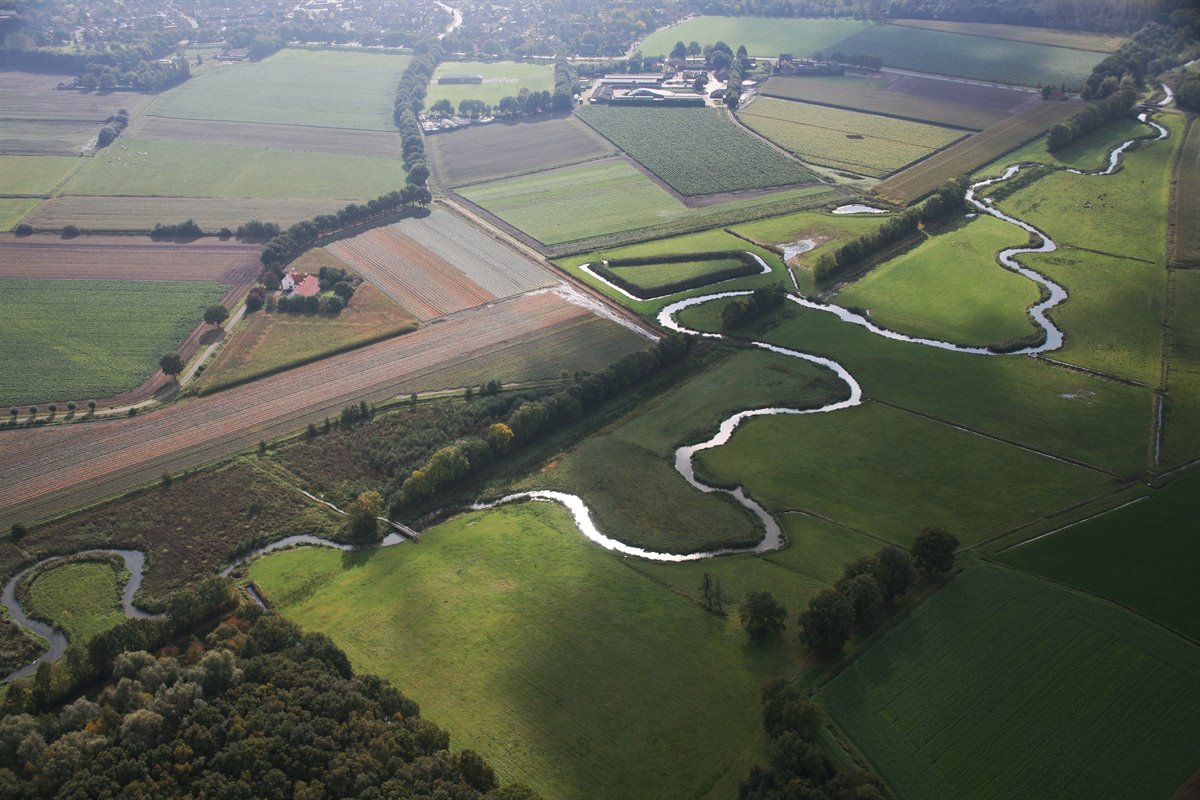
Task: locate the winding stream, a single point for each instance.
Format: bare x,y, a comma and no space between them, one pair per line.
684,456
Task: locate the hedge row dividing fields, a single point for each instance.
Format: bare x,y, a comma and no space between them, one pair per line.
54,468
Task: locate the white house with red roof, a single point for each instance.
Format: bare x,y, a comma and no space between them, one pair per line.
300,284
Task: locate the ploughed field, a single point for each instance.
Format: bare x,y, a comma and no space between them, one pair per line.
127,258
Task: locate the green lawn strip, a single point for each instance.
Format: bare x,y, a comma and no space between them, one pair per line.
330,89
1113,314
14,209
628,475
696,151
500,79
83,339
34,175
1145,556
651,277
892,473
1018,399
1088,153
976,57
762,36
1005,686
543,652
1109,212
81,599
150,167
950,287
1181,417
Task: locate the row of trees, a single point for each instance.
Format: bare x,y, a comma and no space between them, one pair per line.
409,100
868,585
179,230
947,200
145,76
861,61
532,419
113,126
1092,117
741,310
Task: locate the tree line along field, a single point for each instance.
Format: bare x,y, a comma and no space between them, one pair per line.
861,143
500,79
1055,692
1095,42
872,96
71,339
975,57
482,153
762,36
695,151
973,152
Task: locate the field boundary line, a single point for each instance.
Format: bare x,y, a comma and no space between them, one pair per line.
883,114
1073,524
453,188
1090,501
1089,371
1069,246
807,513
202,120
1002,440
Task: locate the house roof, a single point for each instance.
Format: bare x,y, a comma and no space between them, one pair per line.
308,287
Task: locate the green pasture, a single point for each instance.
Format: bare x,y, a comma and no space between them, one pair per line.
762,36
1014,398
1113,314
651,277
171,168
322,88
1005,686
892,473
543,652
864,144
1088,153
80,599
91,339
1181,416
659,510
500,79
695,151
14,209
950,287
1145,556
977,57
34,175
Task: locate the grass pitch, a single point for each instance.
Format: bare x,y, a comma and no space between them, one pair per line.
1005,686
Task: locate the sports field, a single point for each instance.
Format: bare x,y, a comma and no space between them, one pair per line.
865,144
500,79
34,175
1143,556
500,150
976,57
1054,694
695,151
81,599
762,36
67,340
322,88
950,287
857,467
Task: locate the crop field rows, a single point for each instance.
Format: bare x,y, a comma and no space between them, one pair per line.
973,152
861,143
370,143
125,258
695,151
63,466
1187,198
501,150
876,97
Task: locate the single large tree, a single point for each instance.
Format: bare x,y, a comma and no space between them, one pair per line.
826,624
933,551
171,364
763,616
216,314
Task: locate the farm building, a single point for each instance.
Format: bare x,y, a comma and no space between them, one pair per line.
460,79
301,285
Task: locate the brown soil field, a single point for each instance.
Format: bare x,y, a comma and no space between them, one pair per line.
378,144
505,149
881,101
141,213
973,152
49,470
127,258
984,98
37,118
417,279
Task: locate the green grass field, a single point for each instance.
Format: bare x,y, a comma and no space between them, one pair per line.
864,144
80,599
1187,198
1095,42
1004,686
695,151
859,467
91,339
975,57
331,89
34,175
658,509
543,652
160,167
500,79
652,277
762,36
14,209
1144,556
1181,417
950,287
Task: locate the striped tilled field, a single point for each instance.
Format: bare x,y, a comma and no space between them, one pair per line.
126,258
